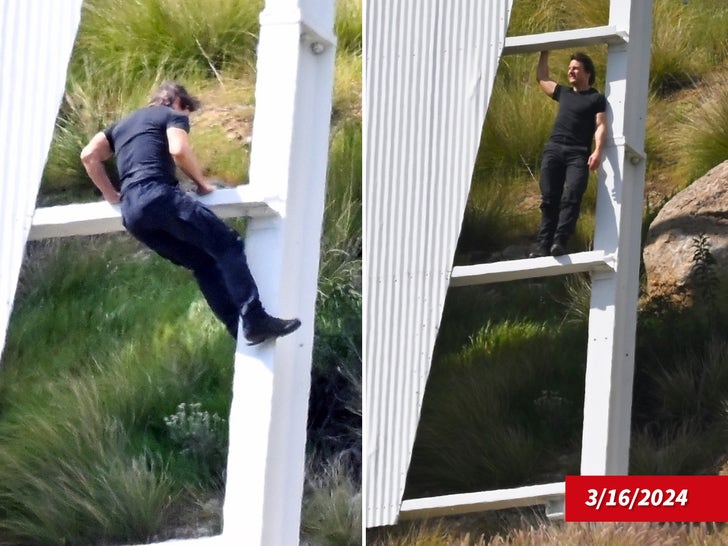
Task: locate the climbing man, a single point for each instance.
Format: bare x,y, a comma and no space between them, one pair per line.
148,144
568,156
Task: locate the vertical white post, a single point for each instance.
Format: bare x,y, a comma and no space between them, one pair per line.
613,317
36,41
288,163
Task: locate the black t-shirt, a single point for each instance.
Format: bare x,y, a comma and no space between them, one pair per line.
140,144
576,121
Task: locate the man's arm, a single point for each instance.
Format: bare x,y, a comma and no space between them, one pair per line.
600,137
542,74
184,157
93,156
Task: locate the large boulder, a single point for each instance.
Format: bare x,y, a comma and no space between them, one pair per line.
700,209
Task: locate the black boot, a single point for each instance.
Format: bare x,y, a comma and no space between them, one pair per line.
266,327
558,248
539,251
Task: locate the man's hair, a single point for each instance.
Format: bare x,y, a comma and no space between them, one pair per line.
169,91
587,63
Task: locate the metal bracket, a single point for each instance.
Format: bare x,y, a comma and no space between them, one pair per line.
555,509
634,155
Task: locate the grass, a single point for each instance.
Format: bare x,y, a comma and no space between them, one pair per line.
75,452
332,507
702,137
681,55
534,16
529,531
168,37
348,27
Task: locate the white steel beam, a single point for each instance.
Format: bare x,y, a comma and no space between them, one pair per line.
529,268
36,40
466,503
565,39
430,68
269,409
613,316
101,217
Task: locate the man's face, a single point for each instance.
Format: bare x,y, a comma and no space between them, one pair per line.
578,77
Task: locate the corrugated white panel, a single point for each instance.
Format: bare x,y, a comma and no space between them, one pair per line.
430,67
36,39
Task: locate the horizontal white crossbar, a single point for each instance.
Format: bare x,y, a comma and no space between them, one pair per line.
564,39
498,499
101,217
529,268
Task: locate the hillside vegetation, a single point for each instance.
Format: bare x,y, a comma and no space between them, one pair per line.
504,400
115,384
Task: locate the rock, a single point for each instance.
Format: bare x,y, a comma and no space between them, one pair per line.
701,208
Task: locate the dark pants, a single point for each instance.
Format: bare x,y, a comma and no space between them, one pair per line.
564,178
188,234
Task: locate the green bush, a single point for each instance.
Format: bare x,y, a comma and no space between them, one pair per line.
201,437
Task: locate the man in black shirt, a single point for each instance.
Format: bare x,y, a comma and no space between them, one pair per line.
149,144
568,156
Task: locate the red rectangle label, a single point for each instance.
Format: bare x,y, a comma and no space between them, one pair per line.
646,498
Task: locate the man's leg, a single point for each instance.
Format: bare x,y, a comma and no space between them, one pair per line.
187,220
577,179
203,267
551,184
146,211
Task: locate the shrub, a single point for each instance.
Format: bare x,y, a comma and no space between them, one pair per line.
201,437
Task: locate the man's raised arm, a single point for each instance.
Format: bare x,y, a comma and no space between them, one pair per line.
542,74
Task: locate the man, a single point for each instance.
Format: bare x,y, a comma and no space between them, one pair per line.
567,157
148,144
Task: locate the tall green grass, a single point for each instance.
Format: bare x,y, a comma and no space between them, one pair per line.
534,16
702,137
688,41
69,478
332,507
167,38
348,26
